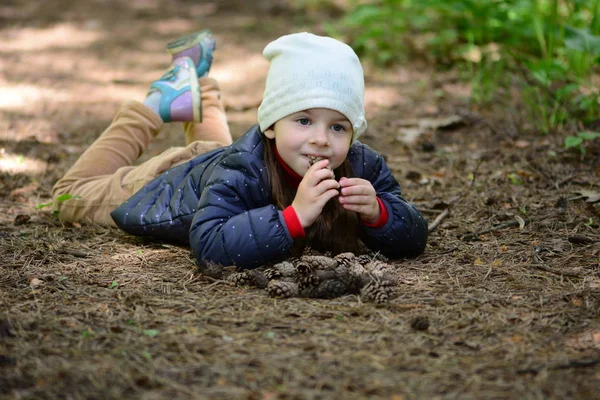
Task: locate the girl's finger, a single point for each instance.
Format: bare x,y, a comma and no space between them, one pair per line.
328,195
356,191
328,184
319,165
354,182
355,199
313,177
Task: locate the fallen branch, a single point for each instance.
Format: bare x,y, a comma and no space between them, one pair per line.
436,222
545,268
508,224
592,362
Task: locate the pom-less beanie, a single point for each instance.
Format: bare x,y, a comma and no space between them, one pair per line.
310,71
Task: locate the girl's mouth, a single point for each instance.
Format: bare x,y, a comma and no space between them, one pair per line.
312,159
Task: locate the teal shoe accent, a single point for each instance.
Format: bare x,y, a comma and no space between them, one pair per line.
168,95
198,46
175,96
170,75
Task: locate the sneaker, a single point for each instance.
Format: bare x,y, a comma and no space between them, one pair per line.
197,46
176,95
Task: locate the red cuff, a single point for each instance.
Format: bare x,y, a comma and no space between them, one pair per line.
293,223
383,216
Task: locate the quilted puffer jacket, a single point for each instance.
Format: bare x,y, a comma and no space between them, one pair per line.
219,203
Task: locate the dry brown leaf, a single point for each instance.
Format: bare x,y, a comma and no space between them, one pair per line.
521,144
576,302
412,129
521,221
34,282
584,340
592,196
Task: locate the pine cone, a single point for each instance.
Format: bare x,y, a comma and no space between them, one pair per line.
304,268
328,289
364,259
214,270
371,256
319,262
307,281
360,274
375,291
240,278
346,259
286,269
356,269
379,268
309,251
283,289
272,273
314,159
258,278
420,323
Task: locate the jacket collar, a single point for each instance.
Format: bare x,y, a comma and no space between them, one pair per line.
289,175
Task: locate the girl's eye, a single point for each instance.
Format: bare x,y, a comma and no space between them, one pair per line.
338,128
303,121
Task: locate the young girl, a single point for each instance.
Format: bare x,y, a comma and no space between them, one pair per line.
263,197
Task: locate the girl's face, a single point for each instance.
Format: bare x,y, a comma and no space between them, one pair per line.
317,132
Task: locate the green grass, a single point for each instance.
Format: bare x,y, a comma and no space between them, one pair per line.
550,48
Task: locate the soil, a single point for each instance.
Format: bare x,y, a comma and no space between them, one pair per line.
504,303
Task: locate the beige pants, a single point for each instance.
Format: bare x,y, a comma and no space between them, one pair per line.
104,176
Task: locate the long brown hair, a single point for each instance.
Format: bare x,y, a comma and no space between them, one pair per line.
336,229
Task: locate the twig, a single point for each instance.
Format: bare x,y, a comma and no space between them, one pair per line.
571,364
545,268
438,220
508,224
446,212
544,174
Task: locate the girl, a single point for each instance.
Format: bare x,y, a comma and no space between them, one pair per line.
261,198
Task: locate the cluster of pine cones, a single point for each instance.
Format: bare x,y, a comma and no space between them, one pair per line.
316,276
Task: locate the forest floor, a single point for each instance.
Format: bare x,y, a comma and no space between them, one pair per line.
511,311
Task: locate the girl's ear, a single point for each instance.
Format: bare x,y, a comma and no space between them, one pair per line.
270,132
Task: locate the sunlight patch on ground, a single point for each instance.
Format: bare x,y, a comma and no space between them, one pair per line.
383,97
26,97
17,163
18,96
458,90
41,130
253,67
178,26
62,35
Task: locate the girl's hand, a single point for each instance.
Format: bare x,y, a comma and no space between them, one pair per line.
359,195
317,187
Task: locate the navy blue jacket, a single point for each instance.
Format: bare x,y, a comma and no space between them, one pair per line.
220,203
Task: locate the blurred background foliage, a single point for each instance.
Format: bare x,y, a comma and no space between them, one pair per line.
546,49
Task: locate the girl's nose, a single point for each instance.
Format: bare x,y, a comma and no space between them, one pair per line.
319,136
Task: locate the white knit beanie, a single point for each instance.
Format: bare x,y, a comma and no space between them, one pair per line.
309,71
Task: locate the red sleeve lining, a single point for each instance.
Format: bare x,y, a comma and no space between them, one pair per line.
293,223
383,216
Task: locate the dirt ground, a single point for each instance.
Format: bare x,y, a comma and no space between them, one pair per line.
511,311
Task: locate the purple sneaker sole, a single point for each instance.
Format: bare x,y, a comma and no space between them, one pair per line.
198,46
